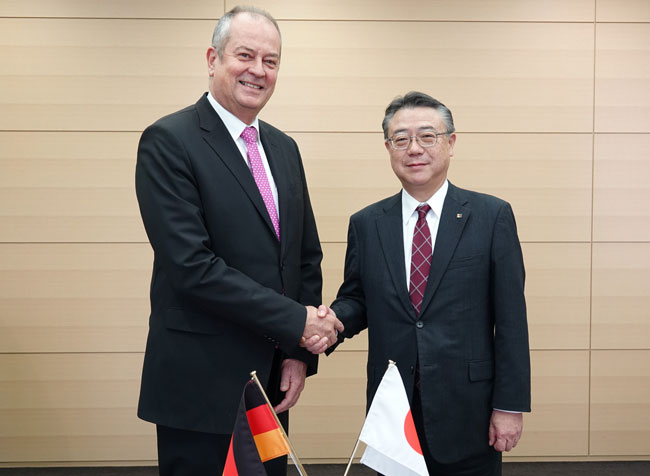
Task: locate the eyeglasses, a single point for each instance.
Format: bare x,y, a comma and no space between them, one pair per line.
424,139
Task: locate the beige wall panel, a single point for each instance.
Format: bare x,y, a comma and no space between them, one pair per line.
202,9
463,10
546,178
92,297
497,77
622,187
623,78
118,75
620,402
72,407
558,423
333,265
558,294
79,186
623,10
74,298
326,421
68,187
347,172
621,296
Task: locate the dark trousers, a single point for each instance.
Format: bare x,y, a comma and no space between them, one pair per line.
488,464
193,453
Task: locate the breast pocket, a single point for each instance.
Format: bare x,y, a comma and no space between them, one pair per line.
465,261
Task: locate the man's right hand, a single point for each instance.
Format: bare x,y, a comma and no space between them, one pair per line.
321,329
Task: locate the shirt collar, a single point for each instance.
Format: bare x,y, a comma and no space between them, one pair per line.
410,204
234,125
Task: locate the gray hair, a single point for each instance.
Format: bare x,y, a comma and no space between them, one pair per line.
417,99
221,33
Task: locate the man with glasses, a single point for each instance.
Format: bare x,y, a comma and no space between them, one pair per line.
436,275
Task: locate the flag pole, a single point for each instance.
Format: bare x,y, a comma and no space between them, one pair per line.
351,457
293,454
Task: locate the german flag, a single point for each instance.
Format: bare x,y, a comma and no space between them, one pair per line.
256,437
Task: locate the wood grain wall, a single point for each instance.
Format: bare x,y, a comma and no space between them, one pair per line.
552,106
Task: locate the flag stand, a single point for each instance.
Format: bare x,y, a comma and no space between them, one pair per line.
294,457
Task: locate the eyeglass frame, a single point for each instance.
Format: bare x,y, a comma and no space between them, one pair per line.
425,146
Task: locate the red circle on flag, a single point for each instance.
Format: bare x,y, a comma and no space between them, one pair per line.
411,434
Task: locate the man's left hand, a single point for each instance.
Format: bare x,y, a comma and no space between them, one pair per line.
292,382
505,430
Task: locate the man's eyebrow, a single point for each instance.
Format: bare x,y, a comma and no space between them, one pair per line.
248,49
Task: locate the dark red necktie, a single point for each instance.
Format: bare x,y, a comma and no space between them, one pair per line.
420,258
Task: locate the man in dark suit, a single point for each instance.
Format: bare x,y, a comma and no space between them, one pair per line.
236,274
435,273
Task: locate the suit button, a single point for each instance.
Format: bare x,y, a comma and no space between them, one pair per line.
419,324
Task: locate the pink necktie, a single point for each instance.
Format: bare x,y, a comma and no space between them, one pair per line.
259,174
420,258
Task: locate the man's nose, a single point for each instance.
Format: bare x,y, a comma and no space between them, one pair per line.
414,147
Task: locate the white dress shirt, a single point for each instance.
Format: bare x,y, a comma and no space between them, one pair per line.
410,218
235,127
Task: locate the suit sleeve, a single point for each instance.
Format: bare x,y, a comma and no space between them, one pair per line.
172,211
512,359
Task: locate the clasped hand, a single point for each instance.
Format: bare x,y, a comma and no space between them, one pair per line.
321,329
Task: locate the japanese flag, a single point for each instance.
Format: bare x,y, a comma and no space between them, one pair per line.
393,445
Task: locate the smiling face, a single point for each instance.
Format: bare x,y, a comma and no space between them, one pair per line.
244,79
422,171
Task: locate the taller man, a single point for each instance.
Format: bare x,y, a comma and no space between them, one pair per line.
236,273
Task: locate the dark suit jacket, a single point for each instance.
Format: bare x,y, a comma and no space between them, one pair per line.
471,338
219,272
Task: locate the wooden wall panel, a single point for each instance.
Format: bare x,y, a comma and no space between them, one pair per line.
622,187
92,297
546,178
330,413
621,296
70,187
74,298
347,172
172,9
117,75
622,11
558,294
496,76
491,85
622,77
620,403
430,10
558,424
72,407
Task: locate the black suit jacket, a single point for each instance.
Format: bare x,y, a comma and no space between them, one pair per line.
471,338
219,273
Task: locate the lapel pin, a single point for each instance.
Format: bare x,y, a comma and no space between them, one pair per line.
459,215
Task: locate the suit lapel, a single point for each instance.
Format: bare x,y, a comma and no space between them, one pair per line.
391,239
455,214
220,140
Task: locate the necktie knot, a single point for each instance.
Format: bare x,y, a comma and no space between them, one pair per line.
249,135
422,211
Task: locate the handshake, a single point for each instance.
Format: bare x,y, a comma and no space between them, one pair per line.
321,329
